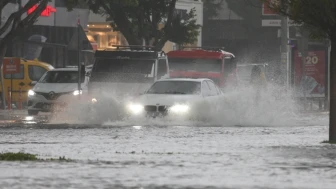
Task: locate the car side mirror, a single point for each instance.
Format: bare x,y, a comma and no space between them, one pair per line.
142,93
33,83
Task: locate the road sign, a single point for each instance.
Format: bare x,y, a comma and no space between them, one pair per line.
275,23
266,11
11,65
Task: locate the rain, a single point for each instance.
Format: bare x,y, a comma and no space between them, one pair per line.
166,94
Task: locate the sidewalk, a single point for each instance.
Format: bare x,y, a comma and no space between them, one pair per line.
13,112
314,112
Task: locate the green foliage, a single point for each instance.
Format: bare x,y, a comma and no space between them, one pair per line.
60,159
318,16
20,156
211,8
329,142
186,30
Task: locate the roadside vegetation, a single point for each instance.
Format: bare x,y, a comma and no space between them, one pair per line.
329,142
20,156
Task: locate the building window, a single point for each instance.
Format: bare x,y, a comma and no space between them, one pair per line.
103,36
182,13
112,40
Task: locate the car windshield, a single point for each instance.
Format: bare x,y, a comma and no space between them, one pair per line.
175,87
61,77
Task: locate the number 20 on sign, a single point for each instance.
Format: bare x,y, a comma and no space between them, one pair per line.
312,60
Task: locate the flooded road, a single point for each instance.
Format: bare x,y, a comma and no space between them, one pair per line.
127,156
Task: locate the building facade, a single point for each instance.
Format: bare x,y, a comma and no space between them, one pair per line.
59,25
60,28
238,28
58,16
100,33
102,36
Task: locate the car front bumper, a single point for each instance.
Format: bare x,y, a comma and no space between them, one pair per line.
40,103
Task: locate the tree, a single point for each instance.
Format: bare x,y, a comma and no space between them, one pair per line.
139,20
211,8
319,17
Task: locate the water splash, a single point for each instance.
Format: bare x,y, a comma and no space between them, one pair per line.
236,107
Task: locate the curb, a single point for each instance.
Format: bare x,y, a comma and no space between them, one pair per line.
13,112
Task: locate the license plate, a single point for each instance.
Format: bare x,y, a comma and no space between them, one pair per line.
59,106
153,114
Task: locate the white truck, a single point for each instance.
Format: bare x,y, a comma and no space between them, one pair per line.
123,74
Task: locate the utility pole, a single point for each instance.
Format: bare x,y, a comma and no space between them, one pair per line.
79,57
284,51
1,81
328,75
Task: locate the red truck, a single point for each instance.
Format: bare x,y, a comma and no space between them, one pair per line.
200,62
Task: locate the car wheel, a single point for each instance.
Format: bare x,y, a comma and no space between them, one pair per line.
33,112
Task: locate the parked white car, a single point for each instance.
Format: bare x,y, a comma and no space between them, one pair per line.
55,89
175,97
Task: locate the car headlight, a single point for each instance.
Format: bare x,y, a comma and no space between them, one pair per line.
179,108
31,93
94,100
135,108
77,92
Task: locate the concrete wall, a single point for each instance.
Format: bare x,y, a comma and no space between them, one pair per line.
238,28
69,19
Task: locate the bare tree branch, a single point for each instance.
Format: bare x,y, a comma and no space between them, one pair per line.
3,3
171,12
17,15
31,18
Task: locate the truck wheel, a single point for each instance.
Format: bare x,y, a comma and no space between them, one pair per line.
33,112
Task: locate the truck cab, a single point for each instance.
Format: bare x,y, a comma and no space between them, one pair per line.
127,70
201,62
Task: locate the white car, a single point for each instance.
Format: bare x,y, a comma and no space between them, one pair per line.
173,96
55,88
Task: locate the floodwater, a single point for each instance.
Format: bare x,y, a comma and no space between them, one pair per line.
114,156
262,147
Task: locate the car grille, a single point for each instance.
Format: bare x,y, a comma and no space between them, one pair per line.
52,97
161,109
